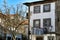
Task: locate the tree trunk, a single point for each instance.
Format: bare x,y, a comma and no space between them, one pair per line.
14,38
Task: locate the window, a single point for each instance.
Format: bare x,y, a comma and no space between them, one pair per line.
46,8
8,38
50,37
47,22
18,38
36,23
36,9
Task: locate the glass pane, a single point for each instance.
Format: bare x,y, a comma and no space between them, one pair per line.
36,9
47,22
8,38
46,8
36,23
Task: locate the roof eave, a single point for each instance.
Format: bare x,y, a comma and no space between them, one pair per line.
40,2
27,4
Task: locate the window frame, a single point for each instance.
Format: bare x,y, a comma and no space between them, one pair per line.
49,9
35,21
37,8
46,20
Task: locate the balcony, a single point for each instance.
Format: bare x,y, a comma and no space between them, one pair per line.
39,31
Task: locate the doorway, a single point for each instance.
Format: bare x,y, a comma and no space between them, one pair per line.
39,38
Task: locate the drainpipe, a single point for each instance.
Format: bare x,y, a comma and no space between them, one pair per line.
29,23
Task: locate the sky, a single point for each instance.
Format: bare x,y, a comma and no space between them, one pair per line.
14,2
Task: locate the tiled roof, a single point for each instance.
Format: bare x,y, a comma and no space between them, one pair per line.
24,22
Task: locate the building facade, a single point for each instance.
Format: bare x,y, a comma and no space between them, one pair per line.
44,20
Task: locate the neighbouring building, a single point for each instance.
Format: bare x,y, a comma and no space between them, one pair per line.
44,19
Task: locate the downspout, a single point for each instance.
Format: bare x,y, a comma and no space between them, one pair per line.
29,23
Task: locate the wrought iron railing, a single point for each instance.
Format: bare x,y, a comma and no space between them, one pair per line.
39,31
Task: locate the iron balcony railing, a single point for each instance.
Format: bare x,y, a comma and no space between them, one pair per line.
39,31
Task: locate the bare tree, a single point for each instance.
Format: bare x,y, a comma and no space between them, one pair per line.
5,6
12,22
